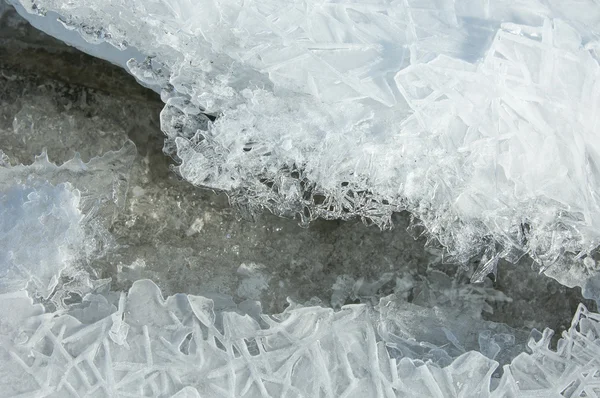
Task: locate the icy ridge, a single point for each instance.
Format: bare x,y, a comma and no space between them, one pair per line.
139,344
481,119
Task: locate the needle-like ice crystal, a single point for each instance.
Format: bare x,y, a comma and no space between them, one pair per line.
481,118
138,344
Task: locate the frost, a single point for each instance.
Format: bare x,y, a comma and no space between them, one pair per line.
138,343
480,118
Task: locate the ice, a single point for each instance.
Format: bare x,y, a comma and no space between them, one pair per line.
41,216
53,218
465,95
52,26
20,320
138,343
478,118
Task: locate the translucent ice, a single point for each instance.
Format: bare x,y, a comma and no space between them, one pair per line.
51,217
480,118
54,27
40,234
139,344
329,148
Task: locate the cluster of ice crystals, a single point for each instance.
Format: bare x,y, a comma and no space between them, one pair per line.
138,344
480,118
361,110
42,216
51,219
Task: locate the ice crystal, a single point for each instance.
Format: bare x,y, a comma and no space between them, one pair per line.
139,344
51,218
478,117
481,119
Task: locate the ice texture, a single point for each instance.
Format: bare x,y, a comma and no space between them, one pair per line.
53,218
426,339
139,344
478,117
41,216
52,26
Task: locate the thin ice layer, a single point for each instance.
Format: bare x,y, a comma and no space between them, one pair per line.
138,344
479,118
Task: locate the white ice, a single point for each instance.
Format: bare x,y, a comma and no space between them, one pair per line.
139,344
50,220
481,118
40,234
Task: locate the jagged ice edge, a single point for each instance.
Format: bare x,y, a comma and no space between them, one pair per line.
354,127
137,343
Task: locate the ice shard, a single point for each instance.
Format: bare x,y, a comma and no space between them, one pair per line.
140,344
